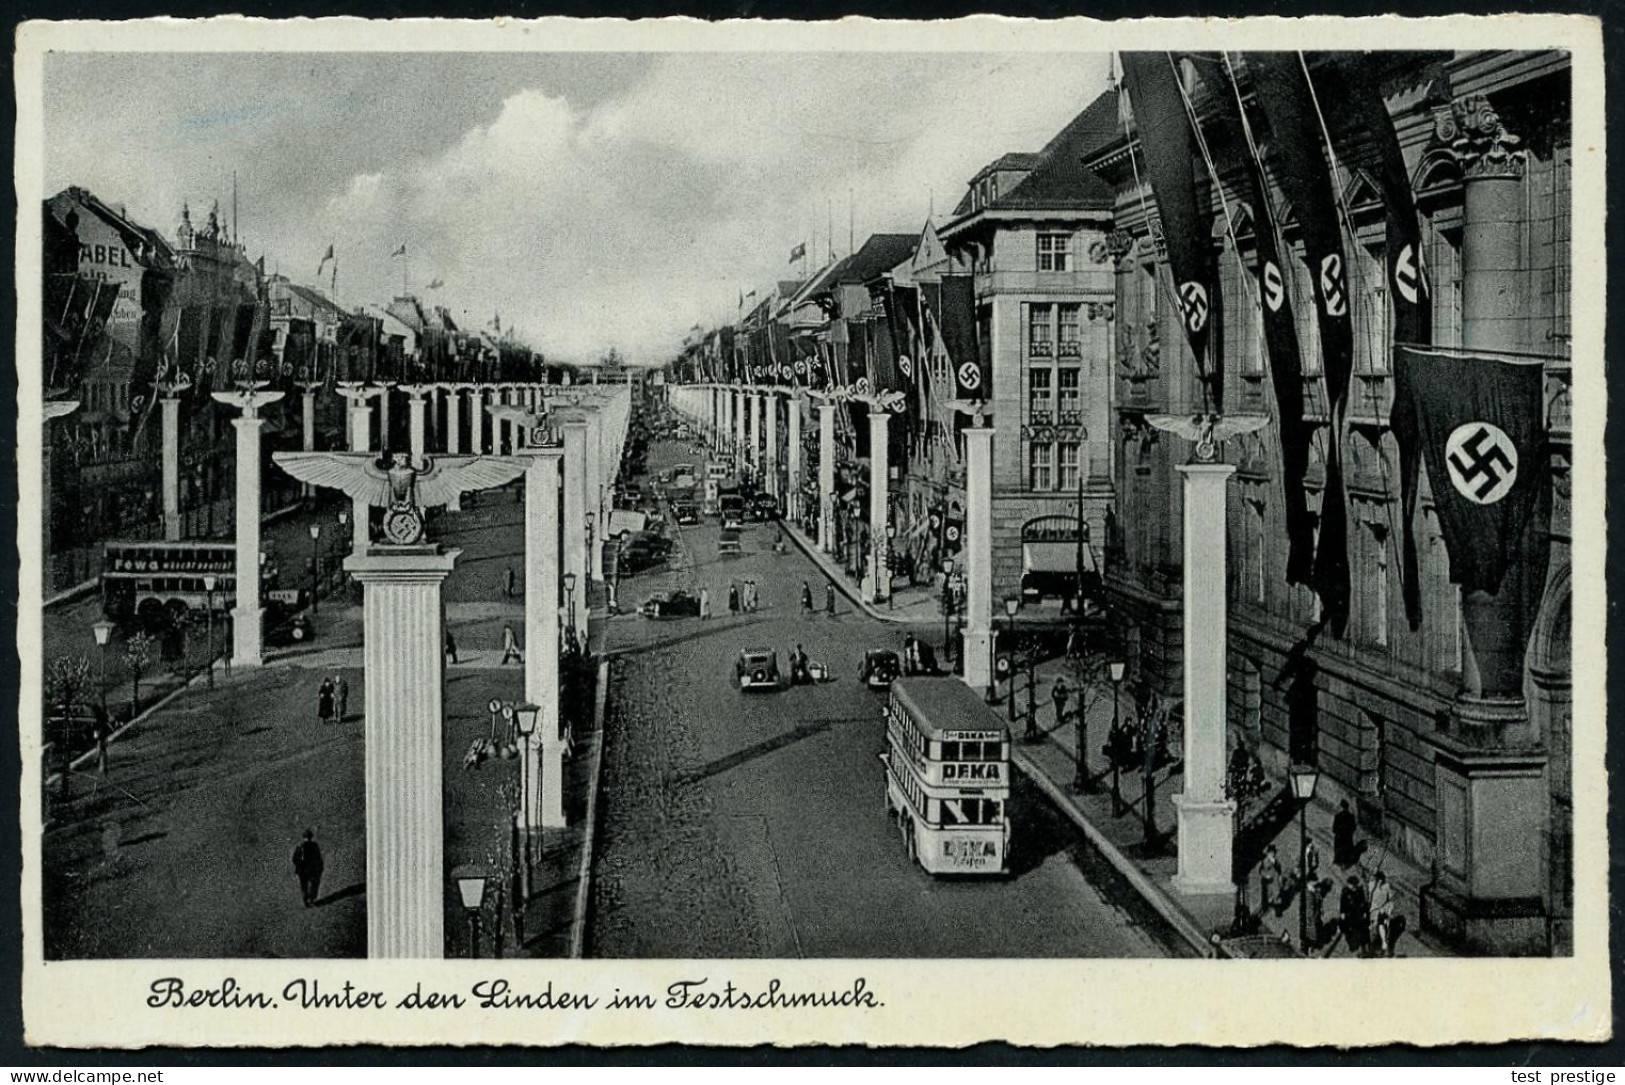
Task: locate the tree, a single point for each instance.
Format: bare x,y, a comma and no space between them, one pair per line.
139,652
67,679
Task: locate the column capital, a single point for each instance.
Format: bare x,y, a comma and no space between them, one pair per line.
58,408
1197,470
1483,146
358,394
249,400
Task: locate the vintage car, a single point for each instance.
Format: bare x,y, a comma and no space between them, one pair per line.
757,668
684,513
880,667
672,604
296,630
728,541
642,551
763,507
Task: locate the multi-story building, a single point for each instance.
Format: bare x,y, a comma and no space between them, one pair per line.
1032,229
1375,709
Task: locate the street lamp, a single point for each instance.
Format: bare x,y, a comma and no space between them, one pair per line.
524,723
209,582
570,604
1304,779
103,632
1116,669
471,887
315,565
1011,605
948,611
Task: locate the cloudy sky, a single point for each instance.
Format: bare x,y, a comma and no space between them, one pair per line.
591,199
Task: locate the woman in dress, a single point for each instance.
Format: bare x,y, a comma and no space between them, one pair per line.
324,701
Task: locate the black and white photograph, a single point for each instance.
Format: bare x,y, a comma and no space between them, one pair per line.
815,525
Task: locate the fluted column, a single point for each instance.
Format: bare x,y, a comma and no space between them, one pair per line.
170,403
1206,817
542,634
595,492
247,639
796,483
575,511
978,557
770,406
403,652
454,419
826,477
415,407
360,416
878,586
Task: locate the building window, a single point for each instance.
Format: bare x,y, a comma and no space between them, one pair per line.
1071,464
1040,467
1070,344
1054,252
1040,335
1040,396
1071,395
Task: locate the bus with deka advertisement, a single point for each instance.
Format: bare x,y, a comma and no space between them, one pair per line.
947,766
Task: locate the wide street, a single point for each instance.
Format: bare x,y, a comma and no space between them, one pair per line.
754,825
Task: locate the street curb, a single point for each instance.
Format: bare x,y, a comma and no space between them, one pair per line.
1143,885
820,559
578,924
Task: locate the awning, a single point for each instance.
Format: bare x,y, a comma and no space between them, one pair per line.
1055,557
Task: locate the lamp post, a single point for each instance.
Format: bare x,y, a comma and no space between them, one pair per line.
209,581
471,886
103,632
570,605
1149,738
948,612
315,566
1304,779
524,724
1116,668
1011,605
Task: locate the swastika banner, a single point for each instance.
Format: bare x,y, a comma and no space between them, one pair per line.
1477,423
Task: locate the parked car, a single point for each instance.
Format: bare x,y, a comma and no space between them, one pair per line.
643,551
685,513
764,507
880,667
757,668
672,604
296,630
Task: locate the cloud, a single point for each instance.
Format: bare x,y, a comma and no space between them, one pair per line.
590,210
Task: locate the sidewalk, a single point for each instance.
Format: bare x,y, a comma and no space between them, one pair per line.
1119,830
907,606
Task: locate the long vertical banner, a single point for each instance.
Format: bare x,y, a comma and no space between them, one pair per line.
1165,137
1300,154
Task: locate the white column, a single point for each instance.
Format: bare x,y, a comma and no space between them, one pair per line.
542,636
878,585
1205,815
476,421
795,481
741,427
575,511
171,406
826,477
383,418
595,494
415,408
403,652
454,419
247,641
360,426
977,557
770,405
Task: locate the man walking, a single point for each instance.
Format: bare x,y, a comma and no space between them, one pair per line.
733,598
507,583
510,646
307,864
806,598
1060,693
829,599
705,602
341,694
1382,914
451,646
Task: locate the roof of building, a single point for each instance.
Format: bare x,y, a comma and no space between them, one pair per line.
313,297
876,256
1058,179
146,243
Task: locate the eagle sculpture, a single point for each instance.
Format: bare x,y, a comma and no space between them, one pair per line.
1208,431
401,488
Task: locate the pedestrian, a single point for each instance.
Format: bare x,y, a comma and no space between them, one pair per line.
1382,914
1060,694
1311,862
806,598
510,646
911,655
705,602
307,864
1319,926
507,583
1269,876
829,599
1353,912
451,646
1344,852
324,701
733,597
341,693
746,596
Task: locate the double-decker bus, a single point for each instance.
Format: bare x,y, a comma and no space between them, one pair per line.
948,777
158,582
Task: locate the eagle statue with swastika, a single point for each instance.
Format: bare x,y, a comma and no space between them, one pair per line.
401,488
1207,431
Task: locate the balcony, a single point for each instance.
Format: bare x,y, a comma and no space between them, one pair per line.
1070,348
1042,349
